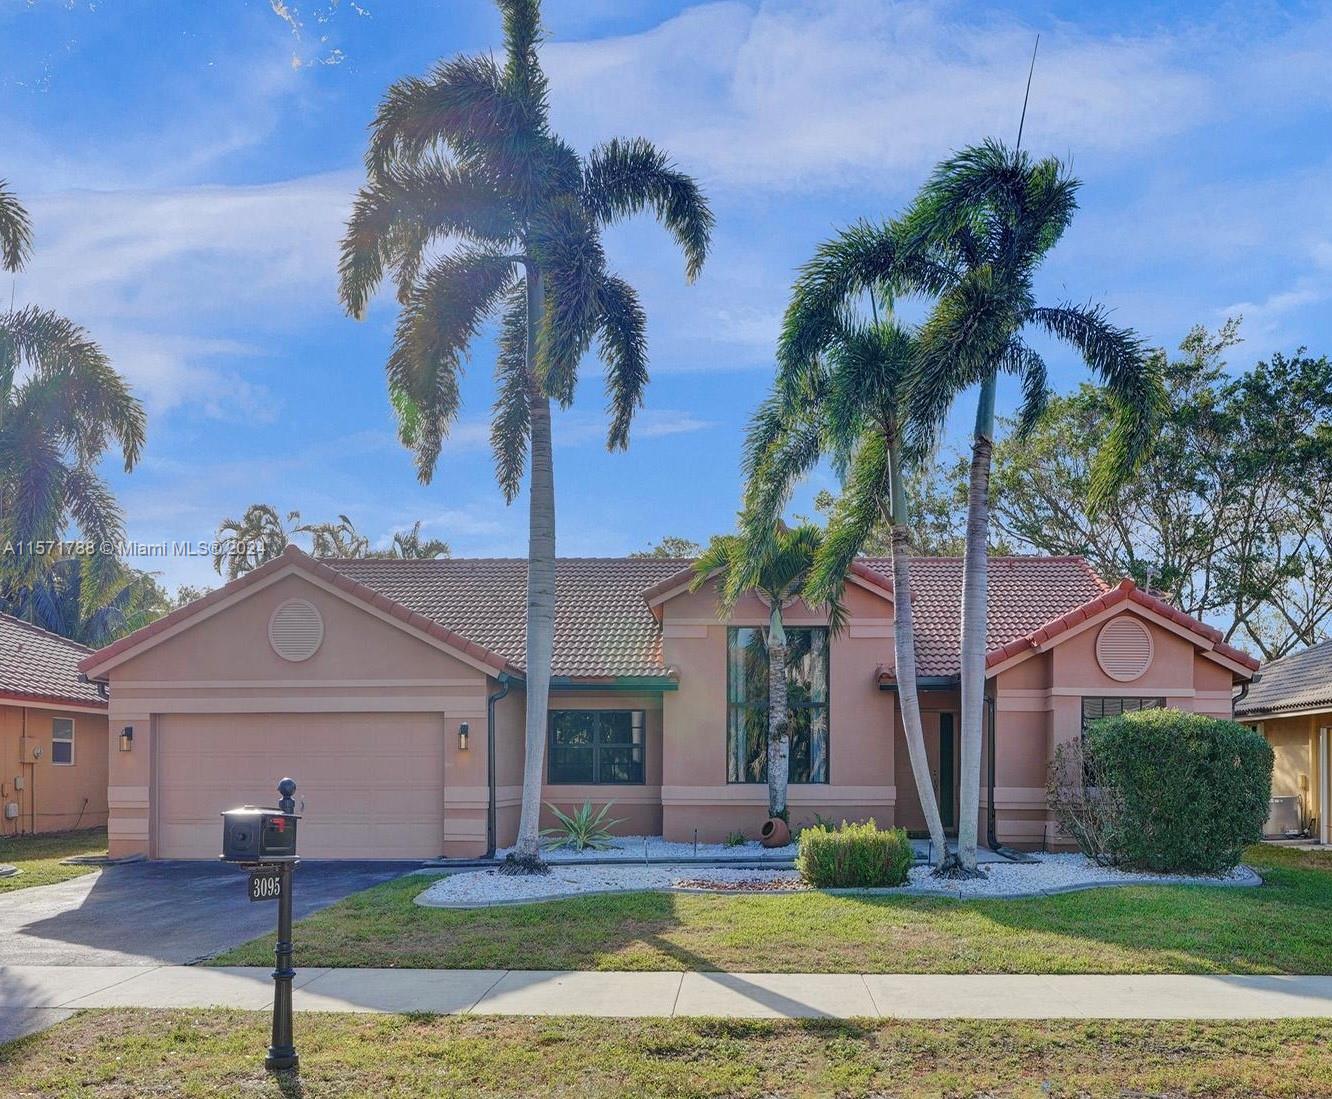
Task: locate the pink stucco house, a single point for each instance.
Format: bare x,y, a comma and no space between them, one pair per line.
393,692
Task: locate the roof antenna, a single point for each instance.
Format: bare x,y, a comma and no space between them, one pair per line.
1027,95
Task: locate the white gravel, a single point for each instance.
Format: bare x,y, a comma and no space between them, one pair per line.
655,849
1052,874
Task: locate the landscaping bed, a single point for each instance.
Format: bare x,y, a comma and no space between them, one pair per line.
38,858
1049,874
1278,928
124,1054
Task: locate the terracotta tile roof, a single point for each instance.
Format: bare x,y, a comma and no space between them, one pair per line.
1125,591
41,666
603,627
315,567
1024,594
1300,681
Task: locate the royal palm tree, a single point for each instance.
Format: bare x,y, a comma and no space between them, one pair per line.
848,400
464,162
972,241
779,579
258,536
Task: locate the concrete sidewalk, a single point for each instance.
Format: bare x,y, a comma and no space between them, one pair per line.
35,996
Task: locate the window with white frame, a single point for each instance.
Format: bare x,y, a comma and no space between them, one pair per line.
62,740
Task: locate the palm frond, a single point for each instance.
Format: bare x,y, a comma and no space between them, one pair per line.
1035,377
1132,379
624,177
400,212
860,506
15,231
95,511
568,249
511,417
432,337
622,342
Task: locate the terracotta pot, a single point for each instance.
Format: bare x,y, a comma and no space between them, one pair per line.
775,833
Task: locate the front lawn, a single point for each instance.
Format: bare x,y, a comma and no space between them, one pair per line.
39,856
1280,927
110,1055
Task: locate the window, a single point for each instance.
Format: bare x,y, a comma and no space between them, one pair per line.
62,740
596,746
747,704
1093,709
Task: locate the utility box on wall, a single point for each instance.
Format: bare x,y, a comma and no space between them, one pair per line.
30,749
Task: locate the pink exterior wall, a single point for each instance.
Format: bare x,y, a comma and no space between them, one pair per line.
52,797
222,664
695,793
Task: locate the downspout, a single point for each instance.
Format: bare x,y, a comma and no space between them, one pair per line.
505,682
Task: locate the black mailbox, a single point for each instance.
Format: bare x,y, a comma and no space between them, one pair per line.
258,835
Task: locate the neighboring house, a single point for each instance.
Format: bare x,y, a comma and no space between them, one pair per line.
1290,703
379,685
53,740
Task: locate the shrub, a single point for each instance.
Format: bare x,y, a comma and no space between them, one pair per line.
854,856
1188,791
735,839
1085,807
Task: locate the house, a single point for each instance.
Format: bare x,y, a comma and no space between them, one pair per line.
1290,703
53,734
392,691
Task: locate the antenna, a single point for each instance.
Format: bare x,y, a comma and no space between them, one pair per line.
1027,95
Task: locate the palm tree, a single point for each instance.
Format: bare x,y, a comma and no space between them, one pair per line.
848,400
973,241
408,546
258,536
55,600
340,539
464,160
779,578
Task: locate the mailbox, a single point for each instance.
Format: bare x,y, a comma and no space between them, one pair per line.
258,835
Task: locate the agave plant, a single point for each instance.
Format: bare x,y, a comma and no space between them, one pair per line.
581,829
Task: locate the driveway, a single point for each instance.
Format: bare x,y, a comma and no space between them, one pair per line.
162,912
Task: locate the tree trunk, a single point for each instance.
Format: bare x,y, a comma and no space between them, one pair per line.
975,568
540,586
779,741
904,641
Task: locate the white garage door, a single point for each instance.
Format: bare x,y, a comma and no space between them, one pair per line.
372,784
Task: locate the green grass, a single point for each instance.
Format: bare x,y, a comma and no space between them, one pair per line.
122,1054
39,856
1281,927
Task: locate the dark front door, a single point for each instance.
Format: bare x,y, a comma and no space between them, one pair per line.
945,772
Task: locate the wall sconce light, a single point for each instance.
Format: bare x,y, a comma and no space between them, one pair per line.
462,736
126,738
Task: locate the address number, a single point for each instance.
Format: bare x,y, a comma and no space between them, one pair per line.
265,885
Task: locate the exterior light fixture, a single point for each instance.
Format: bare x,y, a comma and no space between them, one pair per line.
462,736
127,738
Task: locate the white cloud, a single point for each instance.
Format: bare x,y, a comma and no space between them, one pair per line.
804,93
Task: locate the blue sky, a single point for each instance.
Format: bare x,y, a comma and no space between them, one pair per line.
188,168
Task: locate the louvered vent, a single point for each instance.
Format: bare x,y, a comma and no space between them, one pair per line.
296,631
1124,649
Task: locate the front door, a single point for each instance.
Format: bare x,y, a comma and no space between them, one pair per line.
944,768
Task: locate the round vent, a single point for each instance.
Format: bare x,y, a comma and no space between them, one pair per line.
296,631
1124,649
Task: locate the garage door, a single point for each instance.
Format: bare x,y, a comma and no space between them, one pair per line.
372,784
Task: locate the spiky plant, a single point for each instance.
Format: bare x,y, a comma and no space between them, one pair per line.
465,160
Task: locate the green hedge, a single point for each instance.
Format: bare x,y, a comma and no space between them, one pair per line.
854,856
1191,790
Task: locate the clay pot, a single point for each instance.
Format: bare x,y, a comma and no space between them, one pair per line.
775,833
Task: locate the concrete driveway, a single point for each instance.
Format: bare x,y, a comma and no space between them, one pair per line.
161,912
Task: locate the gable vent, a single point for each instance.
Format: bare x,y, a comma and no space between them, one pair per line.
1124,649
296,631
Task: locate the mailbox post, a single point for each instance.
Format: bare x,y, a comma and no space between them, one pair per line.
264,841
